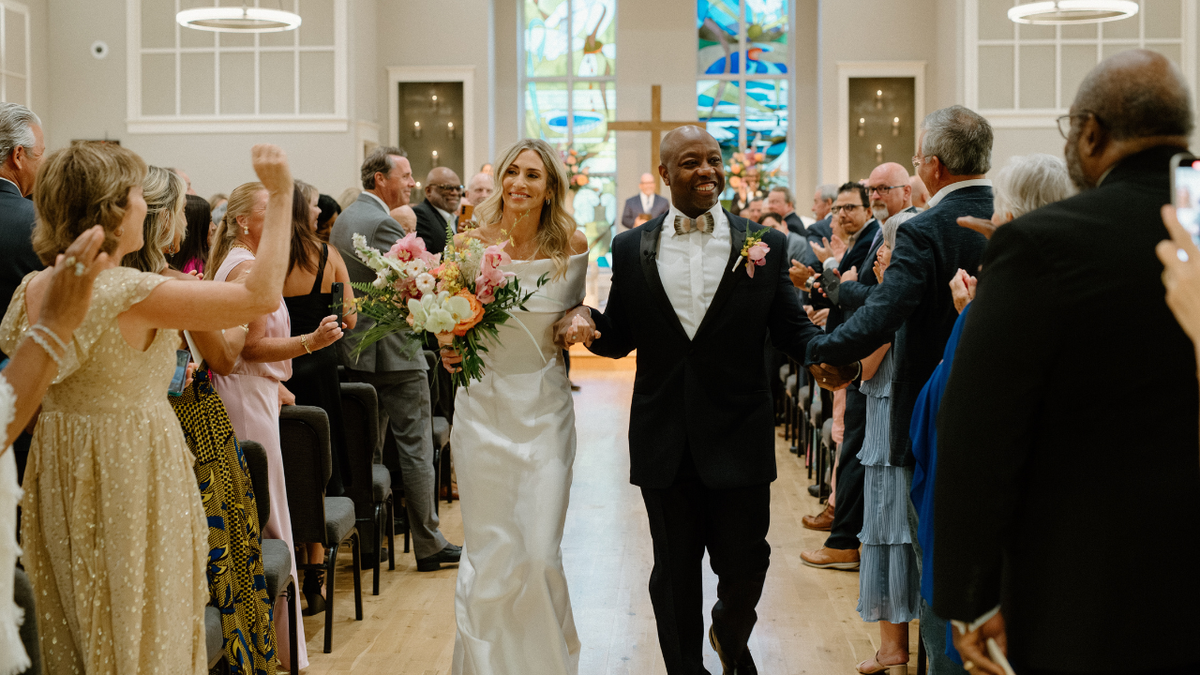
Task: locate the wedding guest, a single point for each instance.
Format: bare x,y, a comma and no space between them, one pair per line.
406,217
647,201
217,200
823,201
313,267
164,192
1023,534
398,375
481,187
187,180
780,202
253,392
796,243
23,383
1181,278
330,210
443,192
193,250
110,421
920,193
754,211
350,195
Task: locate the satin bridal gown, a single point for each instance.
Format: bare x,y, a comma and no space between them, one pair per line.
514,444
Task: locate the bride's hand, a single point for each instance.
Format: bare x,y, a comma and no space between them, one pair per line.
575,327
451,359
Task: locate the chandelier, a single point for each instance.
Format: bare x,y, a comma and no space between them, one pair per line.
1072,11
238,19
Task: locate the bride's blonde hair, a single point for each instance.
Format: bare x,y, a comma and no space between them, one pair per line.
557,225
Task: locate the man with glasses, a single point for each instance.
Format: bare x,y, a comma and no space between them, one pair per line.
647,201
443,194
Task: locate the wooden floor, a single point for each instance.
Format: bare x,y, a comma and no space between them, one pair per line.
807,618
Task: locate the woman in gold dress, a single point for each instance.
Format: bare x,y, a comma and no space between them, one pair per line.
114,533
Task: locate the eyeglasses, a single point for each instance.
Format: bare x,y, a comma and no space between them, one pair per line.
1064,121
448,188
846,208
884,189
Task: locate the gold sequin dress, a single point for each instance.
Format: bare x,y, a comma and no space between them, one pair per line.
113,530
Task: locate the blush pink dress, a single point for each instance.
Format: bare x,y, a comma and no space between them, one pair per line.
251,396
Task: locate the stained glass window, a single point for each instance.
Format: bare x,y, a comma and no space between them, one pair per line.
568,86
742,79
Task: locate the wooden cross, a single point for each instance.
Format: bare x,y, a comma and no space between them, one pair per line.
655,126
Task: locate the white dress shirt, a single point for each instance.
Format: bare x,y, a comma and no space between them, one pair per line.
691,266
941,194
647,202
448,218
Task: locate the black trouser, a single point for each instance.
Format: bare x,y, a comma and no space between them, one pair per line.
686,519
848,512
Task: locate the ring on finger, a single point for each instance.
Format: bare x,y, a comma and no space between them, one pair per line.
79,269
69,261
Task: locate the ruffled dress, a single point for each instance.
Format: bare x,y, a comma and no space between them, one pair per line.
13,658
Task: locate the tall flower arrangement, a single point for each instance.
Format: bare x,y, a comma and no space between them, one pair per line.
577,173
462,296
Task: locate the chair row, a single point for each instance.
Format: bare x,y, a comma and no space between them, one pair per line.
806,412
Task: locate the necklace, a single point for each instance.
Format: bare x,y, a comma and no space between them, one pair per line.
239,244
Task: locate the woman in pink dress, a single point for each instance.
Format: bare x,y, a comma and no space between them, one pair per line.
253,393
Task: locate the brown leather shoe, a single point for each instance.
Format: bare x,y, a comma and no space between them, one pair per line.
831,558
822,522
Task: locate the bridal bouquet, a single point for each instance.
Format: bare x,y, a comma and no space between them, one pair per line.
461,297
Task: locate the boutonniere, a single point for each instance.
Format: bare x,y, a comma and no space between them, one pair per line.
754,252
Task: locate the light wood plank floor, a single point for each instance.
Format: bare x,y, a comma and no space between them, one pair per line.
807,618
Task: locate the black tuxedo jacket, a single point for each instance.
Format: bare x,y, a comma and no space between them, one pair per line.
431,227
16,242
1048,409
709,396
913,306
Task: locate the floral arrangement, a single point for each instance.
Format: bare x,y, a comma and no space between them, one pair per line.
743,165
577,173
461,297
754,252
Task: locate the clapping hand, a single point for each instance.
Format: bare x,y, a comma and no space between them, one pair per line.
69,294
574,328
850,275
962,289
800,274
271,166
834,378
830,249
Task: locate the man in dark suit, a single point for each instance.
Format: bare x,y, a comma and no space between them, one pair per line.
646,201
890,193
701,429
1028,454
395,369
781,203
21,150
443,194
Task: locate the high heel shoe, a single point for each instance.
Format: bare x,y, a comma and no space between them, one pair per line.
313,583
874,666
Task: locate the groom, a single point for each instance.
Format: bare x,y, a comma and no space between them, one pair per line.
701,427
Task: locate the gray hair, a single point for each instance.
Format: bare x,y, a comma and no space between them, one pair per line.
891,225
787,194
1029,182
16,129
379,161
828,192
961,138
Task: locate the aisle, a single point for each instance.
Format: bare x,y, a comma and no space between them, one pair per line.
807,619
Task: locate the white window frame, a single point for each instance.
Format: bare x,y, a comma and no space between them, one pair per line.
1044,118
23,10
138,123
862,69
464,74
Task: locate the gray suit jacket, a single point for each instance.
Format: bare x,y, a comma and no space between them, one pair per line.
367,217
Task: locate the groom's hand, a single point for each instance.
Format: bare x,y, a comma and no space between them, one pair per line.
834,378
575,327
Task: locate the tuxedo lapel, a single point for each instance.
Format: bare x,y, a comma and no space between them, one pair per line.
648,254
730,273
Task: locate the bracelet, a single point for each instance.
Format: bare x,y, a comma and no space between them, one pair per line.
246,327
45,345
304,343
37,327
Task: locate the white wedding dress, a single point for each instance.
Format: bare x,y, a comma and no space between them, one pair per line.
13,658
514,444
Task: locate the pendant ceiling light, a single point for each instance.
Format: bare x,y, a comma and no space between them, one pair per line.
238,19
1072,11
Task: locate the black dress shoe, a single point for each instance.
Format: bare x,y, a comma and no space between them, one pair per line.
745,663
446,556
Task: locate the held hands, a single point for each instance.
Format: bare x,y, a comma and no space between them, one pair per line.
962,289
574,328
973,646
271,165
834,378
819,316
326,334
70,292
1181,276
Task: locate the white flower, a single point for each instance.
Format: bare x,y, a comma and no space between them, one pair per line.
426,282
437,313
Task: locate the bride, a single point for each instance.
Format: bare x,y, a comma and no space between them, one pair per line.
514,437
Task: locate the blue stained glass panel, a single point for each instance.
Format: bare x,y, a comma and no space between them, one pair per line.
767,127
717,29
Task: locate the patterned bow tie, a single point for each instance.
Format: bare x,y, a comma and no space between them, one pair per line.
704,223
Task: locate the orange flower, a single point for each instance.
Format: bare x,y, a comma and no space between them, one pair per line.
476,314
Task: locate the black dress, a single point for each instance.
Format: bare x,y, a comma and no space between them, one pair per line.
315,376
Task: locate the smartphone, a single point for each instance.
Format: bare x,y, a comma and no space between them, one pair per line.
467,212
182,358
338,293
1185,192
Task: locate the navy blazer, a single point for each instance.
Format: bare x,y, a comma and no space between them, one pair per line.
17,258
855,257
913,306
1050,404
633,208
709,396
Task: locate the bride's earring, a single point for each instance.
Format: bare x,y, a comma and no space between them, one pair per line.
245,230
119,231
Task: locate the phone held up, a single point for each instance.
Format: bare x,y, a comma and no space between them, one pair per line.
337,293
182,358
1185,192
